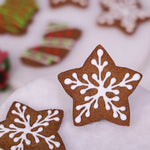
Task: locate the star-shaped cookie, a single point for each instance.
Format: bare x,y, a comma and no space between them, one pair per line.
25,129
125,14
100,89
80,3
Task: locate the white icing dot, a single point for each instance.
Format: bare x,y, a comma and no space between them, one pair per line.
78,120
57,144
123,117
24,107
115,115
87,98
94,76
108,74
116,98
127,75
93,62
113,80
85,76
56,112
83,91
73,87
56,119
28,142
129,87
105,63
100,52
74,75
53,136
39,117
107,107
17,105
116,92
67,81
95,105
122,108
11,135
136,77
49,112
78,108
87,114
13,111
40,129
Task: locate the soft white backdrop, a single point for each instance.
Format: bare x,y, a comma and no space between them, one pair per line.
127,51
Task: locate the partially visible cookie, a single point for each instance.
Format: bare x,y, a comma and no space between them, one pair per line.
100,89
124,14
79,3
4,70
27,129
58,42
16,15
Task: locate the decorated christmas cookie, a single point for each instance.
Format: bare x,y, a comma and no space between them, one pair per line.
100,89
58,42
25,129
16,15
125,14
80,3
4,70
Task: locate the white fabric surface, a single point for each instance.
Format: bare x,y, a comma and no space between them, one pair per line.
127,51
44,94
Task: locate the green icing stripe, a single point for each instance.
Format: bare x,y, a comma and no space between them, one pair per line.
38,56
55,42
66,43
27,53
50,60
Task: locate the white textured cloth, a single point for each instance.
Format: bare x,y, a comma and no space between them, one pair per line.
44,94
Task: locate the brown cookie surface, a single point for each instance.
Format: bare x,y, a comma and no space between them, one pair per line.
124,14
79,3
100,89
25,129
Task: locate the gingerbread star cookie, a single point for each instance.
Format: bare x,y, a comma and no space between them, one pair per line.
16,15
125,14
79,3
100,89
25,129
58,42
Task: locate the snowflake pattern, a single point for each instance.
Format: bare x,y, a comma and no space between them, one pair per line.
127,12
19,135
82,3
86,82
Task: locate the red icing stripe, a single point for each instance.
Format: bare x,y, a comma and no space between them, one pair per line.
48,50
56,52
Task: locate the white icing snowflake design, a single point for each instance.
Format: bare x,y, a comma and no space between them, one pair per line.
128,12
80,2
93,100
19,134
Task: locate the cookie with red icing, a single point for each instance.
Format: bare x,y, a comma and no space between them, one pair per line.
58,42
79,3
100,89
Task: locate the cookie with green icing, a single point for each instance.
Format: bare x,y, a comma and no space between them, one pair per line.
57,43
15,15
